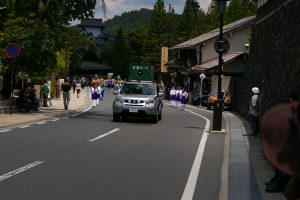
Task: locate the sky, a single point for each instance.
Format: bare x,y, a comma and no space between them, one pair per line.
117,7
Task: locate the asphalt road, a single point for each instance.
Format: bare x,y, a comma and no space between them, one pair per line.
90,157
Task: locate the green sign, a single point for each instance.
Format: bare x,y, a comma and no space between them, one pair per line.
142,72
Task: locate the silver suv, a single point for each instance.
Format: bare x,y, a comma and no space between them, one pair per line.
138,99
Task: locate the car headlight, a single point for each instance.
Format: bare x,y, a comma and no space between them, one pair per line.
119,100
150,101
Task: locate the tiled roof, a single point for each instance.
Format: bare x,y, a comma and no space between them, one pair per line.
227,57
91,23
93,65
215,33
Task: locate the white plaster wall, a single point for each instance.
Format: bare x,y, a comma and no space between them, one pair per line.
237,40
95,31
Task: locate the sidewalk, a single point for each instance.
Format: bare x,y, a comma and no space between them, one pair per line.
56,110
248,168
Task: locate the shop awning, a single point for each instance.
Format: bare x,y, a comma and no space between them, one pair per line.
228,57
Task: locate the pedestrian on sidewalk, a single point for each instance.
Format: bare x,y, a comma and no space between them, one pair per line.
78,88
66,87
45,91
49,95
254,111
74,85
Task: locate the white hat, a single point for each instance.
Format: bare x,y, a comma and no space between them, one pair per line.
255,90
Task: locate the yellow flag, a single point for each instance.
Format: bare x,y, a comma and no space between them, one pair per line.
164,59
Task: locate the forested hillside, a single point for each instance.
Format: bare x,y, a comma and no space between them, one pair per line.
128,21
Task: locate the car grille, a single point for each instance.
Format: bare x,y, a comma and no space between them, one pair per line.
134,102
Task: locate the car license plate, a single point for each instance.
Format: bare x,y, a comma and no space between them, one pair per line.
133,110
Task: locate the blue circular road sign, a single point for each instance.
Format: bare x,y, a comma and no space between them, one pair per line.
12,50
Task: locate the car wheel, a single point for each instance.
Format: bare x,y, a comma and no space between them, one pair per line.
116,117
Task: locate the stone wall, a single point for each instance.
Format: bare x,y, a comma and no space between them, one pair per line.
274,59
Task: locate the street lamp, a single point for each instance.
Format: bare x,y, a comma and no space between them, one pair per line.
221,46
201,76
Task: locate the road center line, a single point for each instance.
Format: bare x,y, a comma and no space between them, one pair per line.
105,134
19,170
192,180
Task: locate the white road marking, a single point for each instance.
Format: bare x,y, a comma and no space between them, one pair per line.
25,126
5,130
192,180
43,122
82,111
19,170
55,119
106,134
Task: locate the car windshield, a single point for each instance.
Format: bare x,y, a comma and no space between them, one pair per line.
142,89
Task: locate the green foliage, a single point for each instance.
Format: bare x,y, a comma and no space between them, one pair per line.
118,55
189,21
157,34
128,21
37,80
37,44
238,9
41,30
212,16
137,42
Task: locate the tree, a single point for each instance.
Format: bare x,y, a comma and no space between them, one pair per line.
212,16
238,9
118,55
172,27
157,34
137,42
55,12
189,21
42,31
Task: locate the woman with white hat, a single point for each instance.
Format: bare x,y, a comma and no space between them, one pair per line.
254,111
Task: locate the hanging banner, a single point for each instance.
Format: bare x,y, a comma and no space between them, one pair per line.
164,59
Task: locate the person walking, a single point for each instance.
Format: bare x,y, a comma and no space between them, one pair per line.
45,91
95,92
254,111
172,96
177,98
183,99
66,87
74,85
78,88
